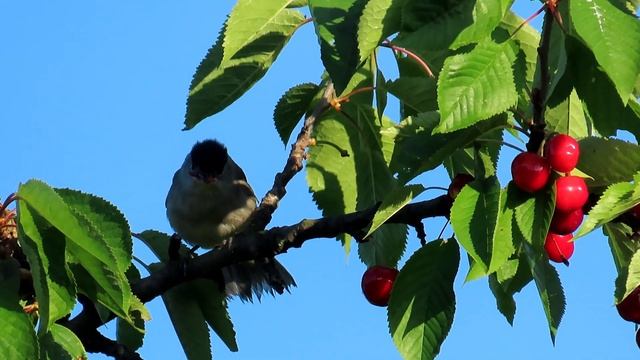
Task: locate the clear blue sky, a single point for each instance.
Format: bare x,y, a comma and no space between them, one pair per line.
92,97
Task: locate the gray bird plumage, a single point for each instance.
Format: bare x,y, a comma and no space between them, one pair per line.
209,201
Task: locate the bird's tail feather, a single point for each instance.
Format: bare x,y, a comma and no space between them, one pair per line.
255,278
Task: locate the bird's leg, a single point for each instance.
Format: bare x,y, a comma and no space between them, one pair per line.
174,247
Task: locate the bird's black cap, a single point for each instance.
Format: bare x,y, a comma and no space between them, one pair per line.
208,158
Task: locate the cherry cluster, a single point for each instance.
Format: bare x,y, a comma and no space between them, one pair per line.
531,173
629,307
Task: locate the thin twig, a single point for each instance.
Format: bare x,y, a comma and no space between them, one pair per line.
411,54
262,216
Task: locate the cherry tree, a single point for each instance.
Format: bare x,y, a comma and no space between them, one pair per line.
473,76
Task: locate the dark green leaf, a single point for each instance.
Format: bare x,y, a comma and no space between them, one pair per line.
350,143
614,38
418,150
17,338
249,42
188,320
444,24
213,304
462,161
290,108
608,161
158,242
626,256
422,303
567,117
336,24
416,92
549,288
533,213
61,343
393,202
482,222
615,201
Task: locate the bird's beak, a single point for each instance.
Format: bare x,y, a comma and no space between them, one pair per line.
207,179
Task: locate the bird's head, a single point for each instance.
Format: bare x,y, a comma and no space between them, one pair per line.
208,159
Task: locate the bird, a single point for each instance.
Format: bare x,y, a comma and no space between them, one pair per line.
209,202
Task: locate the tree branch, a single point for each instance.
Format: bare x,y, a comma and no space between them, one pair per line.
540,93
256,245
262,216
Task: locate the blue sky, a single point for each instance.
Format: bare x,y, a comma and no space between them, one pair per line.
92,97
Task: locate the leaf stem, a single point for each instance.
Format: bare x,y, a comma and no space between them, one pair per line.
411,54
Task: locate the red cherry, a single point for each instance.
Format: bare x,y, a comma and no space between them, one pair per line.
562,152
530,172
566,223
635,212
377,283
559,248
638,338
458,182
571,193
629,307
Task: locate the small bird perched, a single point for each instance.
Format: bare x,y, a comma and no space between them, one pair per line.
208,203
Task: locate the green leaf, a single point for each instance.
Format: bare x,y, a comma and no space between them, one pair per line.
463,161
527,39
297,3
248,44
132,335
549,288
108,219
476,86
380,91
625,252
608,161
615,201
597,93
504,300
188,320
567,117
440,25
512,277
17,338
614,38
248,21
213,304
533,213
422,303
61,343
418,150
393,202
158,242
84,242
348,143
380,18
44,247
291,107
416,92
336,25
482,223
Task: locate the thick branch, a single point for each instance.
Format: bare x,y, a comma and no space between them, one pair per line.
260,244
540,93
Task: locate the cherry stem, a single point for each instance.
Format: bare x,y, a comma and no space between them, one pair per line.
411,54
518,129
528,20
501,143
442,231
305,21
436,188
7,202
